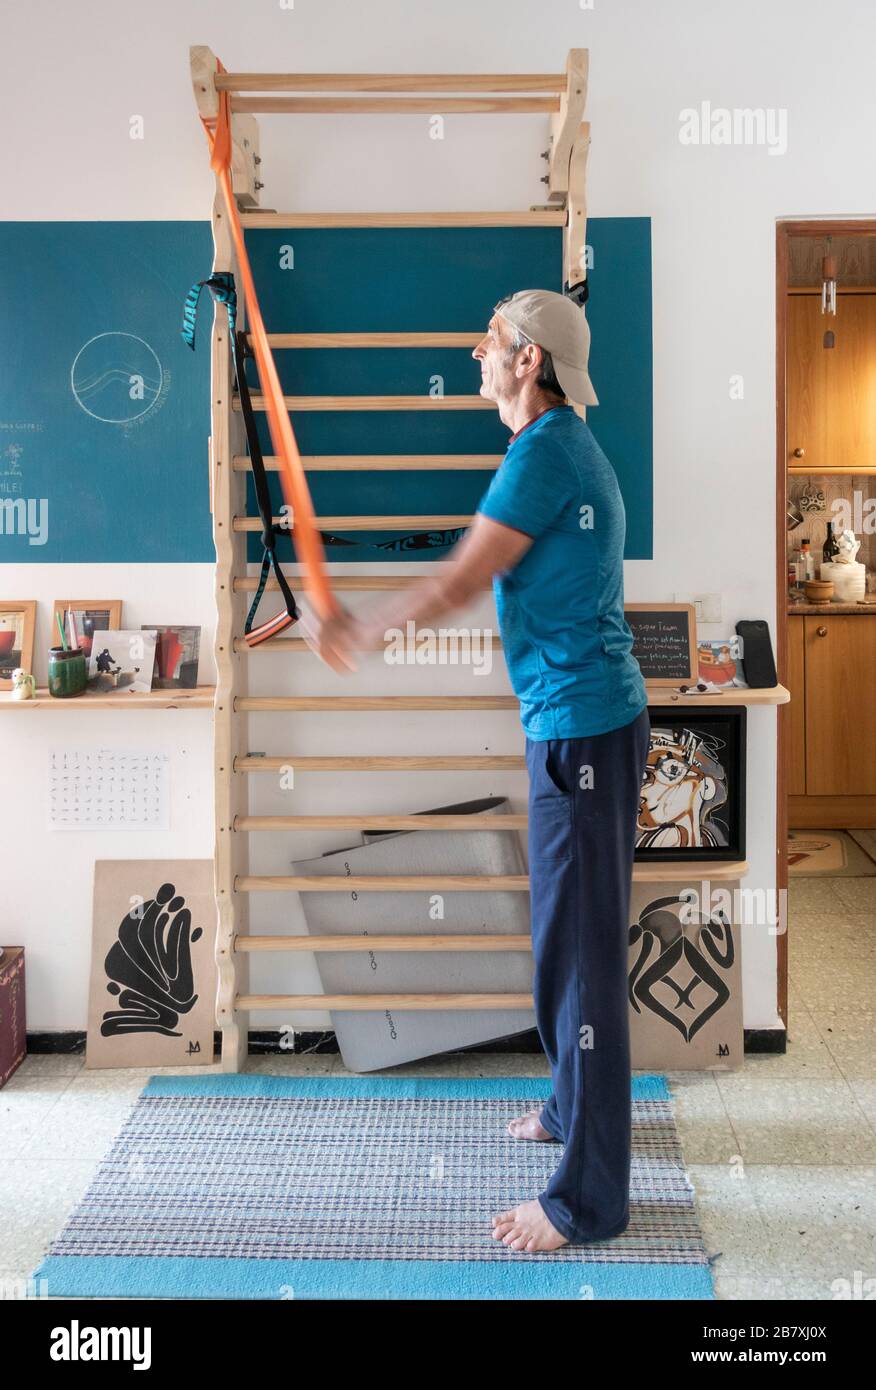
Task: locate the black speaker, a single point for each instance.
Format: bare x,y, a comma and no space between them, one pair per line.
758,665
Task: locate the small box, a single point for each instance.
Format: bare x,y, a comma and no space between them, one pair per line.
13,1045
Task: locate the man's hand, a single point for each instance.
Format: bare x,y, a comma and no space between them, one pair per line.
334,639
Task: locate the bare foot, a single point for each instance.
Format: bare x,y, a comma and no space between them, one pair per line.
528,1126
527,1228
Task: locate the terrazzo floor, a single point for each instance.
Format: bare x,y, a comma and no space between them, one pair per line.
782,1153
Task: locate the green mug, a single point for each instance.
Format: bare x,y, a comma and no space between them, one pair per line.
68,672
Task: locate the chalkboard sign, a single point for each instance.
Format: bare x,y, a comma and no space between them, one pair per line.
665,641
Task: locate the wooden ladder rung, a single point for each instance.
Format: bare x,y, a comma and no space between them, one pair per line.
247,584
362,523
660,871
398,106
372,463
477,822
531,217
368,1003
391,883
290,645
390,82
382,943
372,340
342,704
299,403
397,762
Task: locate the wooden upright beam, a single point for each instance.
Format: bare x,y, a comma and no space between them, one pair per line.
245,157
565,124
231,859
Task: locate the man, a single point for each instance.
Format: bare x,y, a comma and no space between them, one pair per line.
550,531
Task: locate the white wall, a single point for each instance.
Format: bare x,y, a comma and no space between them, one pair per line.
73,79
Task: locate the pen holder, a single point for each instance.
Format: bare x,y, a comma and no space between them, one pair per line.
68,672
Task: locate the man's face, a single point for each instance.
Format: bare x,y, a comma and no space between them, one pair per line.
498,378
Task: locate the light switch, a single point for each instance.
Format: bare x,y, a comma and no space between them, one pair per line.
708,607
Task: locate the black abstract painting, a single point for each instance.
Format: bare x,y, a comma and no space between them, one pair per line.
680,973
149,967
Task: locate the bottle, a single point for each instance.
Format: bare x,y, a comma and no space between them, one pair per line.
805,564
830,545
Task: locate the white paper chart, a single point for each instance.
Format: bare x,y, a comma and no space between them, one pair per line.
108,789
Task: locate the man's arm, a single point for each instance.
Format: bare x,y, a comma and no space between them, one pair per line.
487,548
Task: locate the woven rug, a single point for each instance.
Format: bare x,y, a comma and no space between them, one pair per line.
832,853
265,1187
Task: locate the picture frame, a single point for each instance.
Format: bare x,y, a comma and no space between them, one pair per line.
122,660
692,804
177,654
90,615
18,618
665,642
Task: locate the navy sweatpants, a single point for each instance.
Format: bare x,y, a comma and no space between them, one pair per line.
583,802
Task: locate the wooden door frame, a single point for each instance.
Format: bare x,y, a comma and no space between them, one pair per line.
784,230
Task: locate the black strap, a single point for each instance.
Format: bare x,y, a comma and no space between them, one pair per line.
262,491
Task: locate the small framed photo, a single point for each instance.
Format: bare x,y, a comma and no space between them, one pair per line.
692,802
17,622
719,662
90,615
122,660
176,656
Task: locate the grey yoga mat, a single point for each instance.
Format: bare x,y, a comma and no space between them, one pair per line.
385,1038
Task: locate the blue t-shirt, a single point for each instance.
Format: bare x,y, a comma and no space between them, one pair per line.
561,608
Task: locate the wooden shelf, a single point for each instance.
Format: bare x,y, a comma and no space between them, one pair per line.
199,698
202,698
772,695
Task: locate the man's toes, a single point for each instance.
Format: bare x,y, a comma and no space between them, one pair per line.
504,1217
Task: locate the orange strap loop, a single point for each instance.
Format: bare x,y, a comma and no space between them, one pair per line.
305,536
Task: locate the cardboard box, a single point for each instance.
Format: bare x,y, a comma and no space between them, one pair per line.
13,1045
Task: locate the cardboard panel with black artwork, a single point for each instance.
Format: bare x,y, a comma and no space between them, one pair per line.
685,975
152,999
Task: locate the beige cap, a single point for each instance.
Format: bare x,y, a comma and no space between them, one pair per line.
559,326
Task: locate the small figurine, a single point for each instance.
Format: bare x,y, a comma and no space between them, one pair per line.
849,545
23,684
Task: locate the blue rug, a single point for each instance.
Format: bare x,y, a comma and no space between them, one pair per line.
266,1187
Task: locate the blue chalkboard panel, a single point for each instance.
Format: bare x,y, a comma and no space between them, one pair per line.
355,279
104,412
105,409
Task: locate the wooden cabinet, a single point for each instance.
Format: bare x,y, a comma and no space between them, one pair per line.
832,679
797,710
832,391
840,669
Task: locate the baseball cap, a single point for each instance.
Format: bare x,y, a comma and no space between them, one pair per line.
559,326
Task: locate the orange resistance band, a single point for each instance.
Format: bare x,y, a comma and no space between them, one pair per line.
305,536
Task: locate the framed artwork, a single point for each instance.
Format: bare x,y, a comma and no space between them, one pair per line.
17,622
90,615
692,802
176,656
121,661
720,662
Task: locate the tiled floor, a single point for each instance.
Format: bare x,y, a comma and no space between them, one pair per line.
782,1153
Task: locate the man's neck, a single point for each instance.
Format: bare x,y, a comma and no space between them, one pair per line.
518,412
